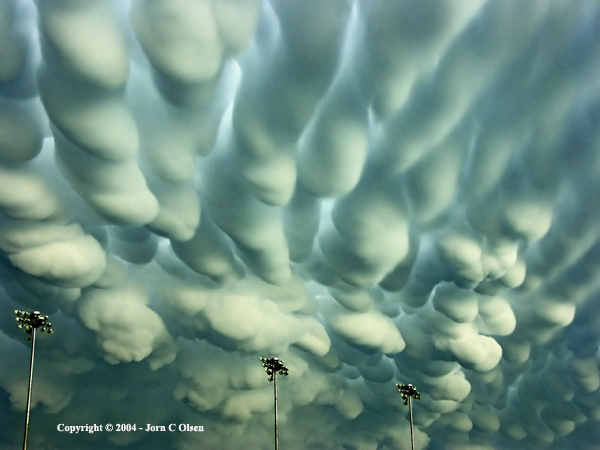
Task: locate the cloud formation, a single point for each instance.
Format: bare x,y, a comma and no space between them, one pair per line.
375,192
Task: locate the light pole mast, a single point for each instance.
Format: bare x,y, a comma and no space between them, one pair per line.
408,392
31,322
273,366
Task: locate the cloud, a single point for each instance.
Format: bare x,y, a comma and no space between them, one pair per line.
375,192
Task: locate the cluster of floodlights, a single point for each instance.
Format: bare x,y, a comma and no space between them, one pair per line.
408,391
274,366
31,321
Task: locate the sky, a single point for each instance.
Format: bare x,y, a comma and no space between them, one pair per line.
374,191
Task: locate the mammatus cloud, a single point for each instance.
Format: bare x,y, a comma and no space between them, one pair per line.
376,192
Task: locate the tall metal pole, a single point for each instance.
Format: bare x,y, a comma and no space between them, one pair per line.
408,391
412,434
29,390
275,392
31,322
274,366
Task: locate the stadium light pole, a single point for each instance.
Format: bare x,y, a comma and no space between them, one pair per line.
274,366
31,322
409,392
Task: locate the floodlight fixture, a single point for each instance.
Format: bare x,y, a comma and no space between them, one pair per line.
408,392
274,366
30,322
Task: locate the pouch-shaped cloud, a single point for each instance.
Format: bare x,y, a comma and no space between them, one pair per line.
61,255
374,191
125,328
371,329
